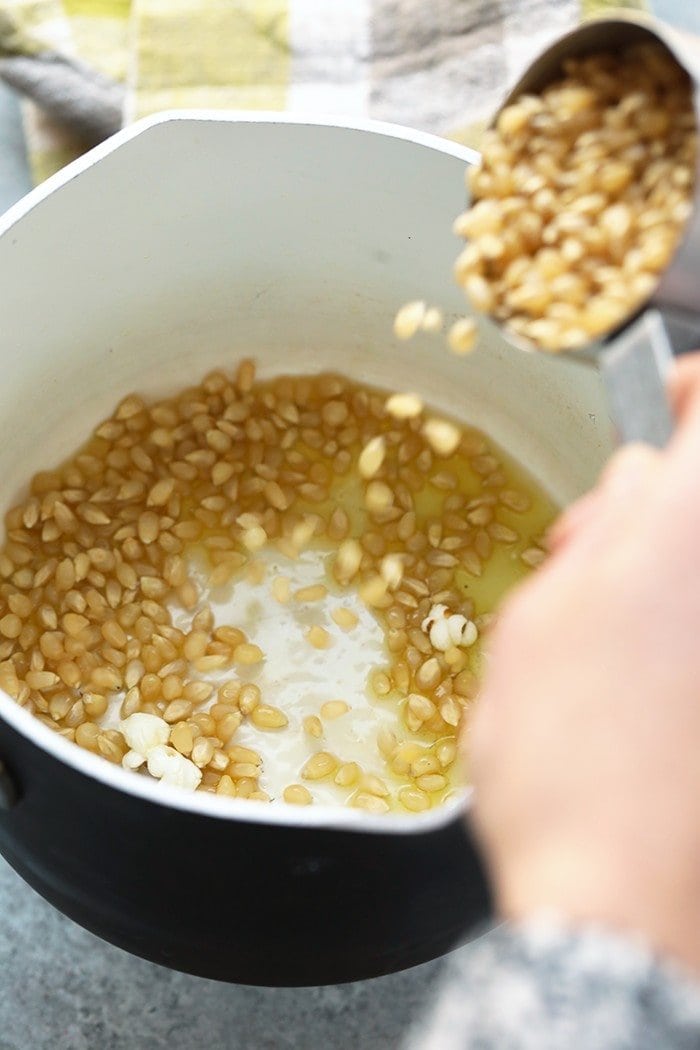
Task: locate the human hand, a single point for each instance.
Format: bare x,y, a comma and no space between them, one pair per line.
585,745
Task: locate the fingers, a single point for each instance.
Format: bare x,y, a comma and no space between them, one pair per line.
572,520
625,475
684,382
628,469
685,392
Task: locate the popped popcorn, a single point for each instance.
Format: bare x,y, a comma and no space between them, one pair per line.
168,765
147,736
133,760
446,629
143,732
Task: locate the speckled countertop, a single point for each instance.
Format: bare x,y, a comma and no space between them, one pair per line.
63,989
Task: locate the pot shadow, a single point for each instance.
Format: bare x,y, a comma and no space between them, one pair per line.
61,988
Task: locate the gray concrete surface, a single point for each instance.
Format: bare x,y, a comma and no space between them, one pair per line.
63,989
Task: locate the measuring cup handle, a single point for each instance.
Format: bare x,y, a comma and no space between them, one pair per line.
635,368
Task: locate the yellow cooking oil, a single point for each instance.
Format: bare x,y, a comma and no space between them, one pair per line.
144,537
484,470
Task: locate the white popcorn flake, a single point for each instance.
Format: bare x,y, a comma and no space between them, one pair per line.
462,631
446,629
440,636
436,613
133,760
169,766
143,732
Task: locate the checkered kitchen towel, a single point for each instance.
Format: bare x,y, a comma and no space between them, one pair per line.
87,66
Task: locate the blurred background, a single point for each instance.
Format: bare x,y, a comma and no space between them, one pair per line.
71,73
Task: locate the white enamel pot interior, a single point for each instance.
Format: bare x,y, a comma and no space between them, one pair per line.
190,240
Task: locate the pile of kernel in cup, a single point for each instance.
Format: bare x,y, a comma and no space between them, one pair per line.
579,203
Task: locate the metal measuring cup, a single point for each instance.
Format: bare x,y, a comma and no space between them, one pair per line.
635,359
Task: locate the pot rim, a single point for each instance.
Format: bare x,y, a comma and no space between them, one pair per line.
123,780
76,168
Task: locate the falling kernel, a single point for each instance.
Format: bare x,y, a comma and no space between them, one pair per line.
432,320
409,319
461,338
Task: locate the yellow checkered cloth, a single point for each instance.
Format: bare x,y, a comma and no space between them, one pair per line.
400,60
96,31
